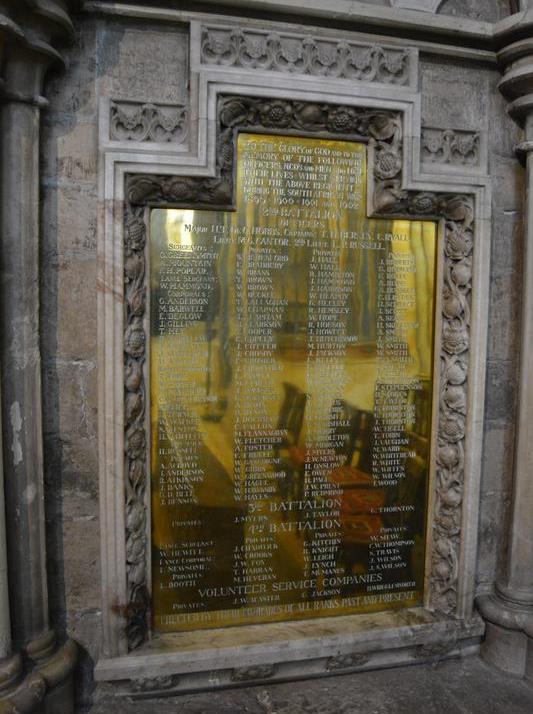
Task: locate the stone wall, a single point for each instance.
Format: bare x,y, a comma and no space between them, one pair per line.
457,95
109,58
133,60
68,341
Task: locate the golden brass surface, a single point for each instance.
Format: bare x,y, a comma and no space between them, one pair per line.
291,359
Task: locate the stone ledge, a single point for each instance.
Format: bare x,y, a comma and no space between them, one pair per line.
274,652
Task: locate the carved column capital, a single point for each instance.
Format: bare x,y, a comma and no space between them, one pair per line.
517,82
515,56
29,33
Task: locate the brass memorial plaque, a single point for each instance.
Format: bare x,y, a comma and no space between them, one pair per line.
291,383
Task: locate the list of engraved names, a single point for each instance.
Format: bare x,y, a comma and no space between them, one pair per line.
290,390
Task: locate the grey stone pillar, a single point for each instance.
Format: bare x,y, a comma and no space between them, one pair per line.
509,610
36,676
21,366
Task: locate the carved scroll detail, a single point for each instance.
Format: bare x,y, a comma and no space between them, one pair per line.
383,129
132,121
447,146
303,54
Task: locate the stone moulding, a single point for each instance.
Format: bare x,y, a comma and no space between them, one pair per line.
450,146
384,131
305,54
135,121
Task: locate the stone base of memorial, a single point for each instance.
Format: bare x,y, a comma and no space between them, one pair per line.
288,650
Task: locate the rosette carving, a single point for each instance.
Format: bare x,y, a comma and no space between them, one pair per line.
135,444
383,129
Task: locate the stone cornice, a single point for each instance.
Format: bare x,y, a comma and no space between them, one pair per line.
438,34
446,31
29,31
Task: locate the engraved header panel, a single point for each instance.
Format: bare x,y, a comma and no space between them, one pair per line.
291,359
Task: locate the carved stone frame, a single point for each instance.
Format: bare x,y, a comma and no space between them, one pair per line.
383,129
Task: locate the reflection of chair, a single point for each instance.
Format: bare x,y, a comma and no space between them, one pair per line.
353,438
291,414
360,500
422,402
355,428
290,419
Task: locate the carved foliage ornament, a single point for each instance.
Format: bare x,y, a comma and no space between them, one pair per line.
447,146
304,55
383,129
135,345
131,121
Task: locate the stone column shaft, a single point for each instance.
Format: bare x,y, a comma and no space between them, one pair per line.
5,624
21,366
36,675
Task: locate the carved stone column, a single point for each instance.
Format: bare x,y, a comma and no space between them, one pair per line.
509,610
27,27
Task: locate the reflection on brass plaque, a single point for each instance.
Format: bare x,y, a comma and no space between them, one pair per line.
291,358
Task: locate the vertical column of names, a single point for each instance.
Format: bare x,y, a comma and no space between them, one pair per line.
186,283
390,550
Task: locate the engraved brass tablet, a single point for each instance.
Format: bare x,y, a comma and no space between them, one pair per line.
291,360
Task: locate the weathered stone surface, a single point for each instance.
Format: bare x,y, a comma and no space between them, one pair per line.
497,458
508,183
70,215
70,285
142,61
72,95
501,390
505,314
488,10
492,538
454,95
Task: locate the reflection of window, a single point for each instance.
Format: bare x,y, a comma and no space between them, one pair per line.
179,224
